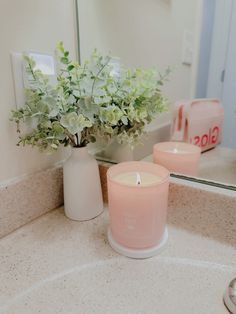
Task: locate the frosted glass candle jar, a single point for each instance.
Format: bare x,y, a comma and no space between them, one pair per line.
178,157
137,198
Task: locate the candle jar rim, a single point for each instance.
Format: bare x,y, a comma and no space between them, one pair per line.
164,178
194,148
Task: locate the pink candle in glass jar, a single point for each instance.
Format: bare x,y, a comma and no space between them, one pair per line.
178,157
137,198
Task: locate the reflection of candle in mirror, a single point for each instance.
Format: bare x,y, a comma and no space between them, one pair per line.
137,178
177,157
137,194
176,151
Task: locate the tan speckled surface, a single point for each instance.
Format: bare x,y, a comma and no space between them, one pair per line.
211,212
55,265
34,195
28,198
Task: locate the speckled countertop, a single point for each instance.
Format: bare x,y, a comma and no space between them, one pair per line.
55,265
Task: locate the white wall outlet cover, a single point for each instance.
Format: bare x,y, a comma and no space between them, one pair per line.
44,63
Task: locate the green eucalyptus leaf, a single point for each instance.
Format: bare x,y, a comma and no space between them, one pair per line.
64,60
75,123
70,67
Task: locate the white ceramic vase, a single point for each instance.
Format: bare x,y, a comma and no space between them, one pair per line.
82,187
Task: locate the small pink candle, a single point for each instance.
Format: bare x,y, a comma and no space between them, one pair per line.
178,157
137,198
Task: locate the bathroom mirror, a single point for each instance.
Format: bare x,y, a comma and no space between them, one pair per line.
198,40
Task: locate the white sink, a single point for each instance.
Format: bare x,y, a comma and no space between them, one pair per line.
162,285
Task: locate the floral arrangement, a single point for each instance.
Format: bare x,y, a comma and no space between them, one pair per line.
88,102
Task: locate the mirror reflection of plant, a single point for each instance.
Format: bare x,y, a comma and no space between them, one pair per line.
88,103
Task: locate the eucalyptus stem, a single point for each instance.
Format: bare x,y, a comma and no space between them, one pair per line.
77,138
71,137
99,72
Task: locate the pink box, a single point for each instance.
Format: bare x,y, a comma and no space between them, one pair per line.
198,122
138,213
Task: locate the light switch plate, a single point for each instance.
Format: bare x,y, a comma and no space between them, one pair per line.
187,53
17,72
44,62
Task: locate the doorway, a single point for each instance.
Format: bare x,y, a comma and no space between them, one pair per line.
217,65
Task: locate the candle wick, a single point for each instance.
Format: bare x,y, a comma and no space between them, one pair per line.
138,179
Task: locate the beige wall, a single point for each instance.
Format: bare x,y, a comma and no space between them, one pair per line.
28,25
143,33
